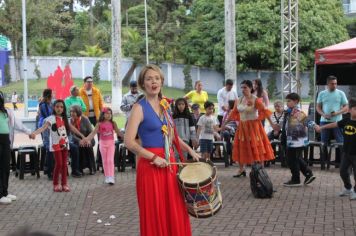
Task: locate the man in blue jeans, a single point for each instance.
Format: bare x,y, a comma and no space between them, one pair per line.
331,104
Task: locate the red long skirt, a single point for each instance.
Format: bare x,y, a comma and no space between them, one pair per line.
161,205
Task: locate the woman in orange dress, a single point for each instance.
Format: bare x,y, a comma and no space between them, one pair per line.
251,143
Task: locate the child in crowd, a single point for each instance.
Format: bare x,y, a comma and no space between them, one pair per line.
195,115
208,124
184,122
45,109
277,119
348,125
230,127
106,127
59,128
295,138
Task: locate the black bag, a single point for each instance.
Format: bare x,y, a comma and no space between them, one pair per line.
261,185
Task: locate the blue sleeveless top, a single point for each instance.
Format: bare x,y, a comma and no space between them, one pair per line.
149,130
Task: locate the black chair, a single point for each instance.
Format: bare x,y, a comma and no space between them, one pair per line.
322,155
279,152
333,146
225,157
123,157
27,167
41,152
87,159
13,163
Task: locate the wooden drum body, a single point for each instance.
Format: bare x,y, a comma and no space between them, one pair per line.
199,185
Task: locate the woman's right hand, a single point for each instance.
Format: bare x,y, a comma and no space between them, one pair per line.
160,162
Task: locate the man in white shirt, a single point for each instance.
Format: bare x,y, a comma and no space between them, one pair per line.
224,95
130,98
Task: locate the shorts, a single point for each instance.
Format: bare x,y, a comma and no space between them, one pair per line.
206,145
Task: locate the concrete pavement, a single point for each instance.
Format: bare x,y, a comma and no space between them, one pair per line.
310,210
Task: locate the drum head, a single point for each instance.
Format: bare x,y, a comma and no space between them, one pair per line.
196,173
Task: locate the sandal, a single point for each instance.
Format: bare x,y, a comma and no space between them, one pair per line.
66,188
57,188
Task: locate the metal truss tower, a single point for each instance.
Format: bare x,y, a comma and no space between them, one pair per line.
289,47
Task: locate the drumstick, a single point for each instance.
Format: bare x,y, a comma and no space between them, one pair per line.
183,163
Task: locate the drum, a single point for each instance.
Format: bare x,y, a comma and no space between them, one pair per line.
199,185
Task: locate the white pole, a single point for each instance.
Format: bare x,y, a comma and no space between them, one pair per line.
230,41
146,31
83,69
24,47
116,92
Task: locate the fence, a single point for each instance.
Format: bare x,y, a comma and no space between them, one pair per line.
174,77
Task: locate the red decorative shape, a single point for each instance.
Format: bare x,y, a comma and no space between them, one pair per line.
60,82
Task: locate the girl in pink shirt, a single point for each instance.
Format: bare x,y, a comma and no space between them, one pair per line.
106,128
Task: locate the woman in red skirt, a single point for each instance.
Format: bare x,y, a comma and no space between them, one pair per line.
161,204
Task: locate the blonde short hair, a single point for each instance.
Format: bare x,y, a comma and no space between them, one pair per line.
141,76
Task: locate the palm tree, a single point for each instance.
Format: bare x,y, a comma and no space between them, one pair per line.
92,51
44,47
132,46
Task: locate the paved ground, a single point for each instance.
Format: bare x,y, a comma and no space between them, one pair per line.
311,210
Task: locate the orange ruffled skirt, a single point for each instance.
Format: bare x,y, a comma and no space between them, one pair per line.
161,205
251,143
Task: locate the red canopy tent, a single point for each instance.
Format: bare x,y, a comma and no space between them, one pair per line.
338,60
344,52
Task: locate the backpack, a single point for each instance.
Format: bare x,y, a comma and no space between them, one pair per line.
261,185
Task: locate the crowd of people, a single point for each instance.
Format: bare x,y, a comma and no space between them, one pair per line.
154,124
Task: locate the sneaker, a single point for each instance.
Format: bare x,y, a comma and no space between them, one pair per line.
106,179
352,195
12,197
345,192
309,179
111,180
5,201
292,183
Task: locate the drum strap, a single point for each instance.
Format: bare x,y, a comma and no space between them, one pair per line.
170,132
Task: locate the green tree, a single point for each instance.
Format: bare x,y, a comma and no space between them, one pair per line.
203,41
102,31
43,47
80,32
351,27
321,23
96,72
133,46
257,34
45,19
188,83
92,51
